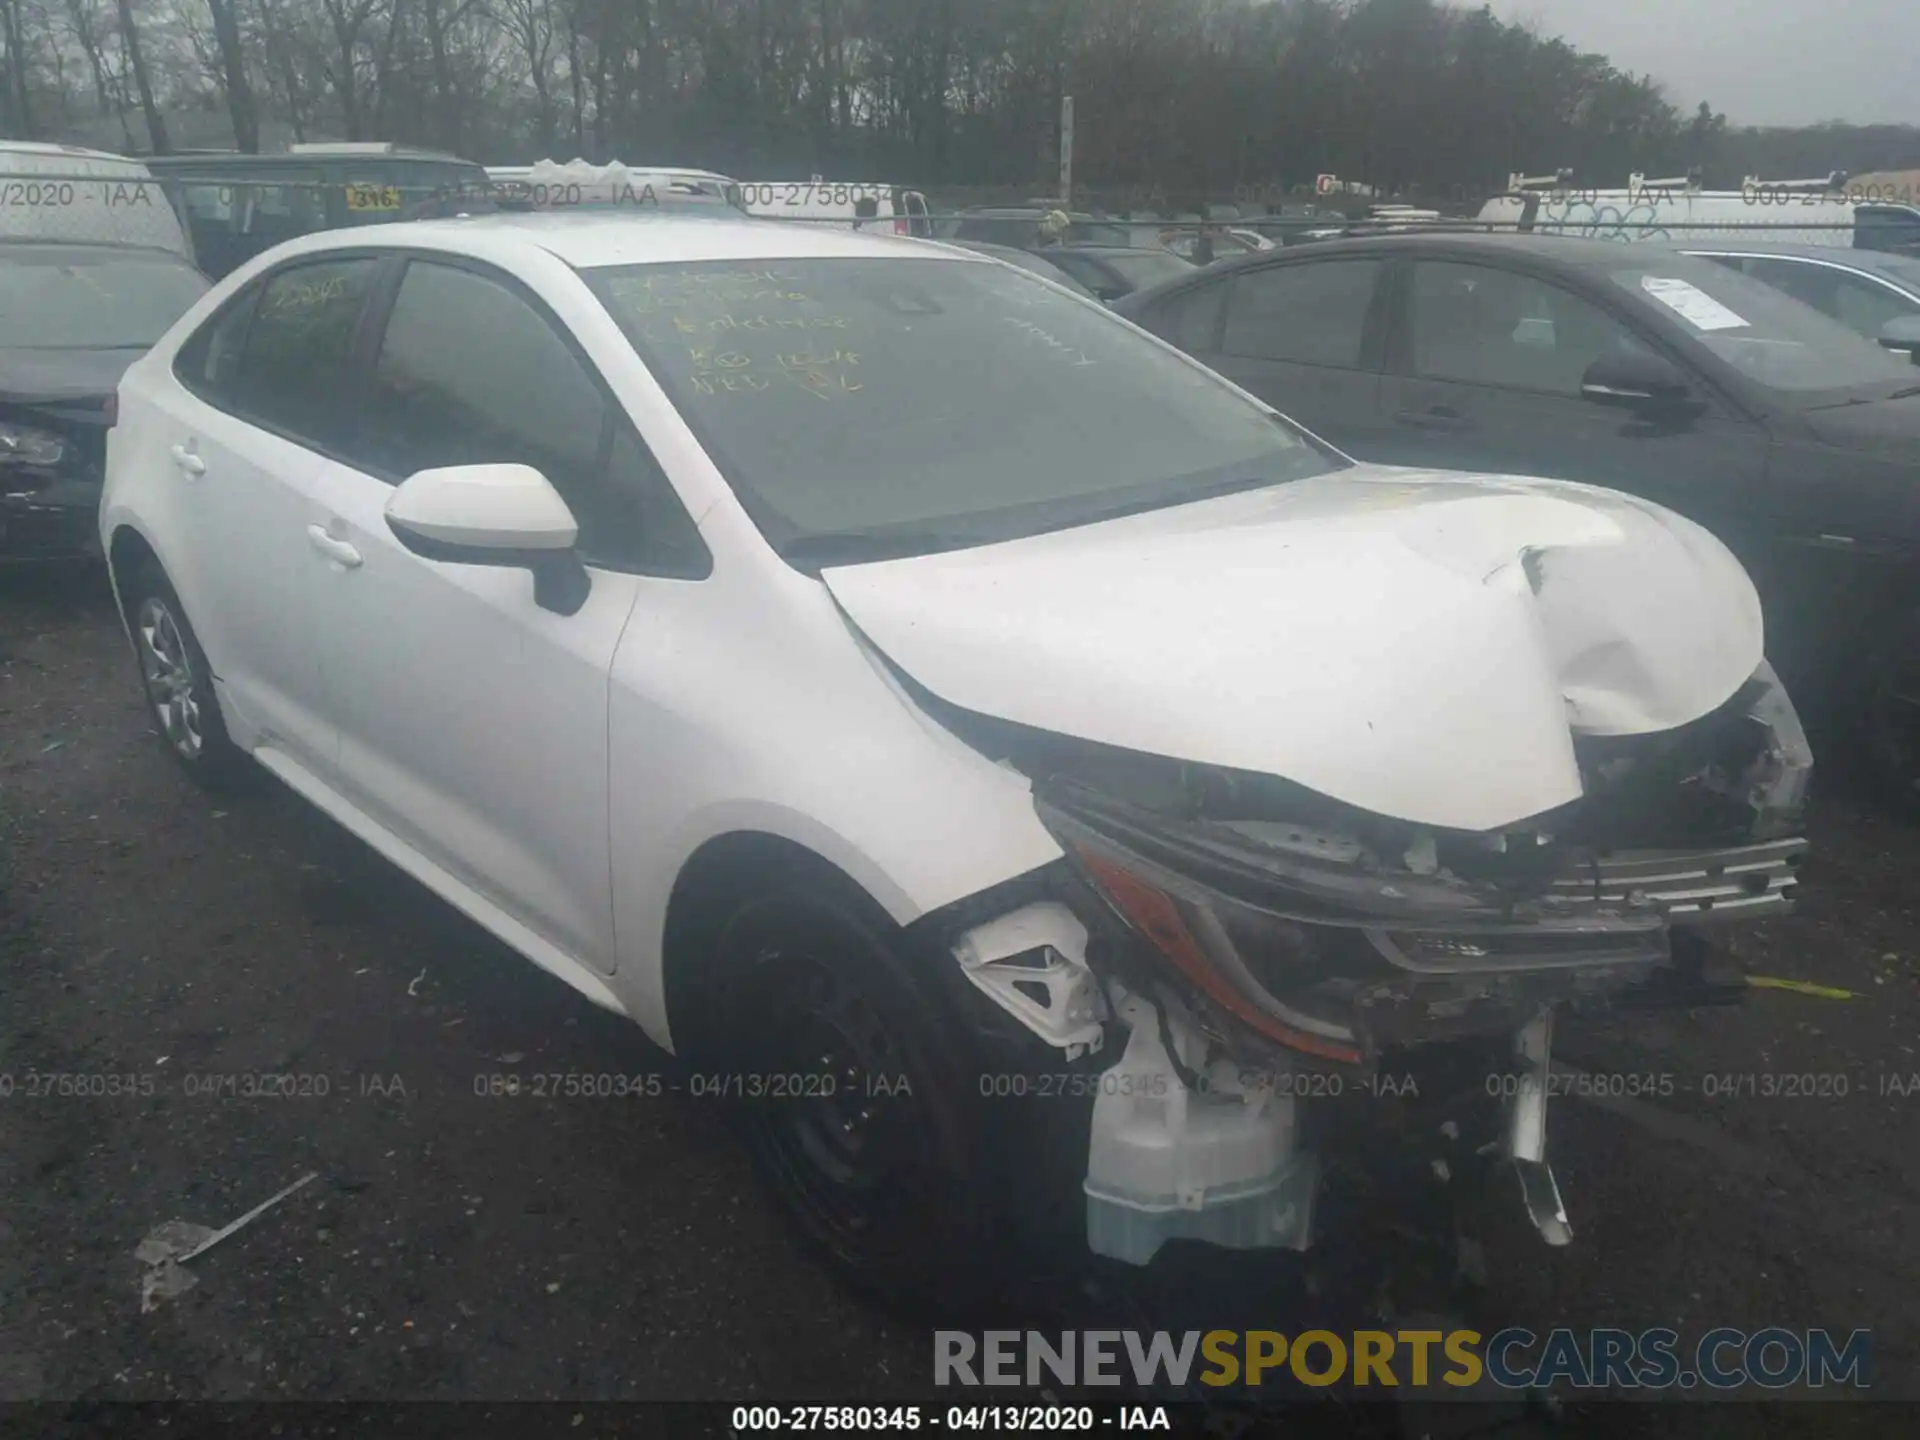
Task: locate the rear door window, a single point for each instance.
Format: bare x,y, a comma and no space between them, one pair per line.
295,374
1191,319
209,363
1305,314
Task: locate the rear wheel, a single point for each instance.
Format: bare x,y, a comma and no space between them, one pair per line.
853,1090
178,683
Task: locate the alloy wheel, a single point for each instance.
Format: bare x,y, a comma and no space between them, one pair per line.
166,665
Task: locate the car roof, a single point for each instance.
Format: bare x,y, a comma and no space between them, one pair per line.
1859,259
80,152
1557,251
305,159
1561,250
596,238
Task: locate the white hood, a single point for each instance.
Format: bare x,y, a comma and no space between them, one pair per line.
1373,635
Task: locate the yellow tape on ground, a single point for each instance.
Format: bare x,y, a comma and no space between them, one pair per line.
1801,987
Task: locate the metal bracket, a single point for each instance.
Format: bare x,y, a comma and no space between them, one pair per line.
1527,1131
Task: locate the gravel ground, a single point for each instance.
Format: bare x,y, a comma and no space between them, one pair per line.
459,1245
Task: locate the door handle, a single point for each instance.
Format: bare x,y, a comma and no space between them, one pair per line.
338,551
1439,417
188,463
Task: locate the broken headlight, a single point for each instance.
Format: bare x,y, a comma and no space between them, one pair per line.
24,445
1331,957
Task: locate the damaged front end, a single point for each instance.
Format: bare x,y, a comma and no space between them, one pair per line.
1262,948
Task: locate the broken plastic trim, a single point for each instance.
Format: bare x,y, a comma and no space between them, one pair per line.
1031,962
1527,1131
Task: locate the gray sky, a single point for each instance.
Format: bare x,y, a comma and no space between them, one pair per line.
1760,62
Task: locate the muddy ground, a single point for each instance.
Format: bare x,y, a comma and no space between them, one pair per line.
469,1245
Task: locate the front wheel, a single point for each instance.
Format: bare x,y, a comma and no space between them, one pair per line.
178,683
851,1080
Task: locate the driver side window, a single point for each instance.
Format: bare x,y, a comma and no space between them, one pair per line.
1484,326
469,372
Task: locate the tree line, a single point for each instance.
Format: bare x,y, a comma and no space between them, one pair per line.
1182,98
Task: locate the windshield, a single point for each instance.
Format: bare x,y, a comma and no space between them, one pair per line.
1764,334
74,300
1902,268
897,405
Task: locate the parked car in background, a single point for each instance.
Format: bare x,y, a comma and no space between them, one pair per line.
88,197
72,318
1111,271
580,184
1024,227
1806,212
1097,722
1632,366
1872,292
1185,242
1040,262
893,209
239,205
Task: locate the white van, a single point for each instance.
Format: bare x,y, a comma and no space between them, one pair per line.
65,192
1807,212
861,205
551,185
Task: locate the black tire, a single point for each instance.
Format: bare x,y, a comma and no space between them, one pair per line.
178,685
812,990
1891,719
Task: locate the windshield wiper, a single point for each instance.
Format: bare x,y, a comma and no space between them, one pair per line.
1906,394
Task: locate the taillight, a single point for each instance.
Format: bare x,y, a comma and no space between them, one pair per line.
899,226
112,410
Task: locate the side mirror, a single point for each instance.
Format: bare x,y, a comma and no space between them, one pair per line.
1635,382
501,515
1903,334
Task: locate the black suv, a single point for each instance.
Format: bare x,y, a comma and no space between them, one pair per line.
1630,366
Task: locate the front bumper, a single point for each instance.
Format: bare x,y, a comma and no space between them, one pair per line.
57,521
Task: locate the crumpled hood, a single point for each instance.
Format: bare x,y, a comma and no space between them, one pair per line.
1420,644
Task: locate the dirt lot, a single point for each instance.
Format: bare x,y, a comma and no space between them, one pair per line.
459,1244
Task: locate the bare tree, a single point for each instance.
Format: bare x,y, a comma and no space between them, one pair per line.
19,67
531,24
85,33
348,21
233,66
137,62
1190,98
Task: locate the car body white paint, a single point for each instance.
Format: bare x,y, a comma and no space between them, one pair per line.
552,775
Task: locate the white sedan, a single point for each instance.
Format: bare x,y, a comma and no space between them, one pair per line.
988,743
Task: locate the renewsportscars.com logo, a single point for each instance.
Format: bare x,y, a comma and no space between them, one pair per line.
1513,1359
